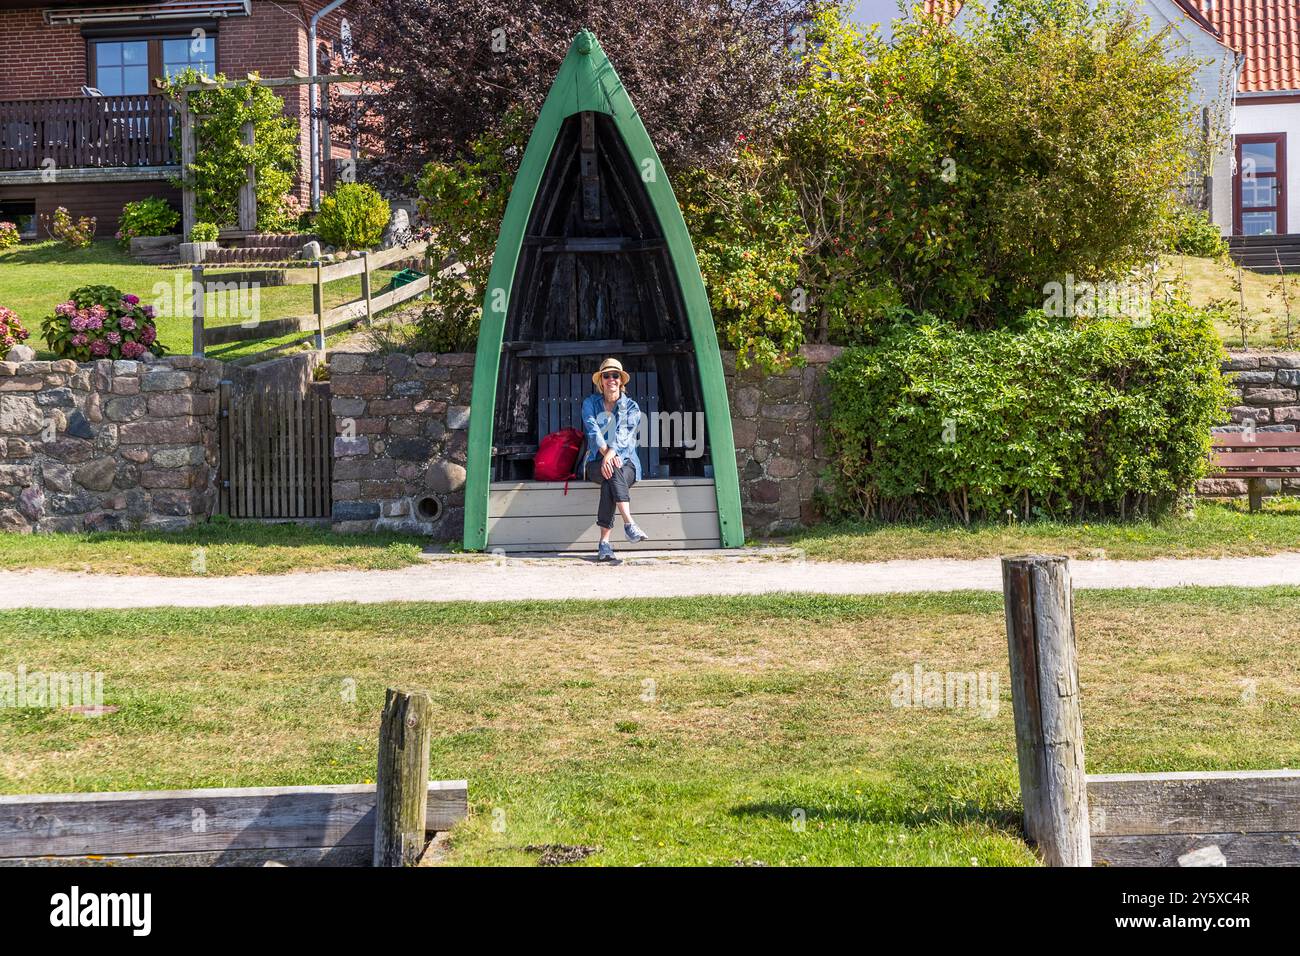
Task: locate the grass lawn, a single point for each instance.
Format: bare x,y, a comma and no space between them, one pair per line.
35,277
229,547
1218,530
664,732
1207,279
219,548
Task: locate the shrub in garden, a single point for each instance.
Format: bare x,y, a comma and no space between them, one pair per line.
1195,234
74,234
12,331
1109,417
9,236
957,172
100,322
352,217
146,217
204,232
464,197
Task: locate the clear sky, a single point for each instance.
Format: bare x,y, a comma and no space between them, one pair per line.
877,11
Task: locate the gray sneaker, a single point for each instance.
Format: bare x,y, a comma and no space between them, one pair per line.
605,552
634,533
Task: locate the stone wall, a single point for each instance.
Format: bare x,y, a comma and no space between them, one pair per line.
108,445
1266,386
778,422
399,458
401,422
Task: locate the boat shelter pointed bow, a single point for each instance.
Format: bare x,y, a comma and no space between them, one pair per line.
594,260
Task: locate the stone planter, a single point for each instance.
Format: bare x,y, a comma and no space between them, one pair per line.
196,252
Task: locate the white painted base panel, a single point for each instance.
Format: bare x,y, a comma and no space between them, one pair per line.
676,513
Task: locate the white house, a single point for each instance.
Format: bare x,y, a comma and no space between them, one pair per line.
1267,35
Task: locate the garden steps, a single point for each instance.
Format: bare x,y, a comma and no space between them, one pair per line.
1261,253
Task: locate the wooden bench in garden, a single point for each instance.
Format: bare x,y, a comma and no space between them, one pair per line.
561,516
1256,457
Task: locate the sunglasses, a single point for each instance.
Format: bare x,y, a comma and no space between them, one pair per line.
608,375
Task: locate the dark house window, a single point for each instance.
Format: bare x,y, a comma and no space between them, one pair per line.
21,212
1259,186
127,66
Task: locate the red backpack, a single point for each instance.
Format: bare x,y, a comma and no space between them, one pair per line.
556,455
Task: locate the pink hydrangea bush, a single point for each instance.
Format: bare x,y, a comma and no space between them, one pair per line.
9,235
100,322
11,331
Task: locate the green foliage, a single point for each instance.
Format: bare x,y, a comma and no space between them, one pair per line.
147,217
1051,421
466,199
73,234
352,217
222,158
9,236
204,232
958,172
1195,234
749,239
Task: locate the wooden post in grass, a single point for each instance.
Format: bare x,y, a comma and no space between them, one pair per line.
318,306
1045,697
365,289
197,297
402,783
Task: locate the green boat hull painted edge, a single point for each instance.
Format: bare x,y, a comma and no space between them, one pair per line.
587,82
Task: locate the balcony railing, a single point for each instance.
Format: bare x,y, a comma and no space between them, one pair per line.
86,131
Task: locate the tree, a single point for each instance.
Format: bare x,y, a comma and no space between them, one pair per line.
957,172
449,71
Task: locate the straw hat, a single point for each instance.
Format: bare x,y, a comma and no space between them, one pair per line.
608,364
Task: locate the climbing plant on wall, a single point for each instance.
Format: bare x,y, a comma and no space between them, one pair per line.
221,162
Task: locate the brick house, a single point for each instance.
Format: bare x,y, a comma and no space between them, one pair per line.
80,123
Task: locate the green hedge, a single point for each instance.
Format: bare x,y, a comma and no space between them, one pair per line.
1108,418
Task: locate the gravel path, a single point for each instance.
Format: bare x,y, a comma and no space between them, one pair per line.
477,578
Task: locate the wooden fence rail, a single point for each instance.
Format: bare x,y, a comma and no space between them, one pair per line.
323,321
330,825
381,824
87,131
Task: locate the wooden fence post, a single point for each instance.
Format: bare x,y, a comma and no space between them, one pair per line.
1045,697
248,189
402,782
318,306
366,291
188,154
197,297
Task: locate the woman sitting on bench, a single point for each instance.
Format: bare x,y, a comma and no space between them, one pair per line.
610,420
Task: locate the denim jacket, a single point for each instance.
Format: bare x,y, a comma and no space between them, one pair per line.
621,433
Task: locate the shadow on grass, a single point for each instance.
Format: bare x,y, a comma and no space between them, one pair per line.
913,814
49,252
286,535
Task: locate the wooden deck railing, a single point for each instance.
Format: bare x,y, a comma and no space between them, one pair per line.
86,131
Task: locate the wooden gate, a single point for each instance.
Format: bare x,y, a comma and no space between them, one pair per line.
276,452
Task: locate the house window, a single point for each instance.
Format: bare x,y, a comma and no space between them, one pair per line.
1259,185
127,67
22,213
121,67
182,53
